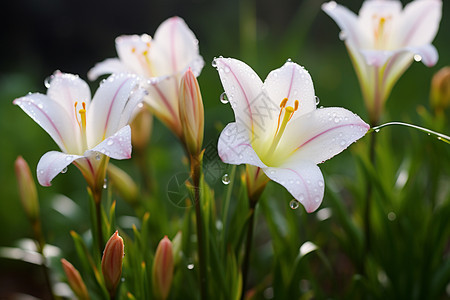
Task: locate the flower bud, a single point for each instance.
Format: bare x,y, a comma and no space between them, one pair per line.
27,189
123,184
440,89
112,262
162,272
191,113
141,128
75,280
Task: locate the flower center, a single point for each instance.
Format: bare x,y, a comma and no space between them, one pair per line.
379,31
286,113
82,123
144,60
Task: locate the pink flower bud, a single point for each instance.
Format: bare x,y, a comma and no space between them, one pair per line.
191,113
163,269
75,280
112,262
27,189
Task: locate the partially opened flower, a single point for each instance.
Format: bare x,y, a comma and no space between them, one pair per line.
87,132
162,60
383,41
279,129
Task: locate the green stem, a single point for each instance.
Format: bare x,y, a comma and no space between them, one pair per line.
196,174
368,205
40,241
248,245
226,205
440,136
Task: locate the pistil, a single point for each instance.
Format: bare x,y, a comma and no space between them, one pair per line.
82,123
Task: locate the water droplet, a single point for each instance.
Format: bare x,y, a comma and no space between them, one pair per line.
64,170
68,158
140,105
294,204
224,98
41,171
227,70
337,120
391,216
317,199
98,156
301,197
317,100
289,60
342,35
320,183
190,266
417,57
226,179
377,130
105,183
109,142
47,81
40,105
214,63
342,143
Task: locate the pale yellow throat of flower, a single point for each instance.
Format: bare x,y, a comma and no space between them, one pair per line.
380,31
144,60
286,113
82,123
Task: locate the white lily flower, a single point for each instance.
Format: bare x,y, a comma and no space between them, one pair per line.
87,132
163,61
383,41
279,129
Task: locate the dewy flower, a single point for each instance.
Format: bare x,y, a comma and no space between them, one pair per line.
383,41
162,61
279,129
87,132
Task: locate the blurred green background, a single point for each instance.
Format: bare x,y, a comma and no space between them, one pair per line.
39,37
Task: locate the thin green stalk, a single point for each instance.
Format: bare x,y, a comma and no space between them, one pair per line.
368,206
248,245
40,241
226,204
196,174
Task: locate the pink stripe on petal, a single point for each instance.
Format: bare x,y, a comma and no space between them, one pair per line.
111,105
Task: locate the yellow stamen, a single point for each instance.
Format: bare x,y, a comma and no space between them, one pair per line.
133,50
289,112
82,123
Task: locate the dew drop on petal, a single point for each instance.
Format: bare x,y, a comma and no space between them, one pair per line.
289,60
226,179
294,204
97,156
317,100
342,143
224,98
47,81
64,170
320,183
109,142
417,57
214,63
342,35
140,105
68,158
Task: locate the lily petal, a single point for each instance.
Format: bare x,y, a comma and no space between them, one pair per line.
174,47
303,179
103,115
133,50
376,58
234,146
293,82
51,164
67,89
419,23
163,101
117,146
322,134
427,53
108,66
242,85
52,117
347,22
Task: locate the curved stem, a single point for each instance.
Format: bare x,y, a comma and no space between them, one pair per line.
440,136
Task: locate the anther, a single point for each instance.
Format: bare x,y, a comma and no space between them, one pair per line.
283,103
